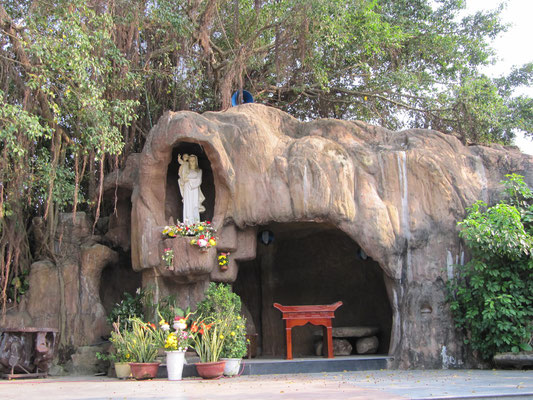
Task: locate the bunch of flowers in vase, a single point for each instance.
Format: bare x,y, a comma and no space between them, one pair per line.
175,342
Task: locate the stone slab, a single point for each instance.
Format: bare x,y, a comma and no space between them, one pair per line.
351,331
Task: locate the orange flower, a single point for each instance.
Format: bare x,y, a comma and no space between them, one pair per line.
194,328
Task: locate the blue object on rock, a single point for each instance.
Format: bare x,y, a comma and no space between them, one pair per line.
246,98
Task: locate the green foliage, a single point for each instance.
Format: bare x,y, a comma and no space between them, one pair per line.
19,286
208,336
221,304
119,339
491,297
141,341
83,82
219,301
235,343
129,307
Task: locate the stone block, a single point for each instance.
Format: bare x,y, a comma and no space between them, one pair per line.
341,347
367,345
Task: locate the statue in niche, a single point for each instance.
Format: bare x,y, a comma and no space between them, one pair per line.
190,179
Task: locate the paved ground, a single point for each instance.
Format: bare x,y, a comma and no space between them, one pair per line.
385,384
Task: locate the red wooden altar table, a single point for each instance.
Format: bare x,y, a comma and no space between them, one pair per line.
316,315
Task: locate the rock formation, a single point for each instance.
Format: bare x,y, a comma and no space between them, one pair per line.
397,195
354,212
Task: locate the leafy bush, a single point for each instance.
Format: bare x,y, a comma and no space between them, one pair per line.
235,344
222,304
130,306
219,299
491,297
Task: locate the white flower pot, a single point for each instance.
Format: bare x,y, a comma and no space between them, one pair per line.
232,366
175,361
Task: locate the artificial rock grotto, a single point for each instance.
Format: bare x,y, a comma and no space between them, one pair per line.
311,213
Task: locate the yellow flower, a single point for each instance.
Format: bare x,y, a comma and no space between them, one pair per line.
193,241
221,336
212,242
238,317
200,228
128,355
232,333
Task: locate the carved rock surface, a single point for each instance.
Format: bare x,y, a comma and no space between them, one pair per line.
398,195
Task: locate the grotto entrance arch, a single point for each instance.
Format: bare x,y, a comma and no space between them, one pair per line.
312,263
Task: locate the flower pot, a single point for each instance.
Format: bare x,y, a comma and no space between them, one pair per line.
232,366
175,360
142,371
210,370
122,370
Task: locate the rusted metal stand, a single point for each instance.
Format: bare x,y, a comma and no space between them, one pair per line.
27,352
316,315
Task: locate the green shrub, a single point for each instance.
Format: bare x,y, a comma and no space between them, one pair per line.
219,299
221,303
491,297
130,306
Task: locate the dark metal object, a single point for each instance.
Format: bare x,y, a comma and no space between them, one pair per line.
27,352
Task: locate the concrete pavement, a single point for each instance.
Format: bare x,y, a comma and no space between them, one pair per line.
382,384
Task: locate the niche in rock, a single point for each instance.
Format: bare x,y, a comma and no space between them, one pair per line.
117,279
174,200
312,263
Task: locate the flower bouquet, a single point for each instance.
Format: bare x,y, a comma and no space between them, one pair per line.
175,344
223,260
202,233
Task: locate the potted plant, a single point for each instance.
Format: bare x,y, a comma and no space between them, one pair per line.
175,344
222,303
207,337
122,356
142,346
235,345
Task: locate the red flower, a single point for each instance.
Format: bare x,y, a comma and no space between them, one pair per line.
208,222
194,327
201,237
178,317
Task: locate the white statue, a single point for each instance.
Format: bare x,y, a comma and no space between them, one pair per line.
190,179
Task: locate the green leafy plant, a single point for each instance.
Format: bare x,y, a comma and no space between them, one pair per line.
491,297
235,343
219,300
19,286
208,336
119,339
223,304
130,306
141,341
